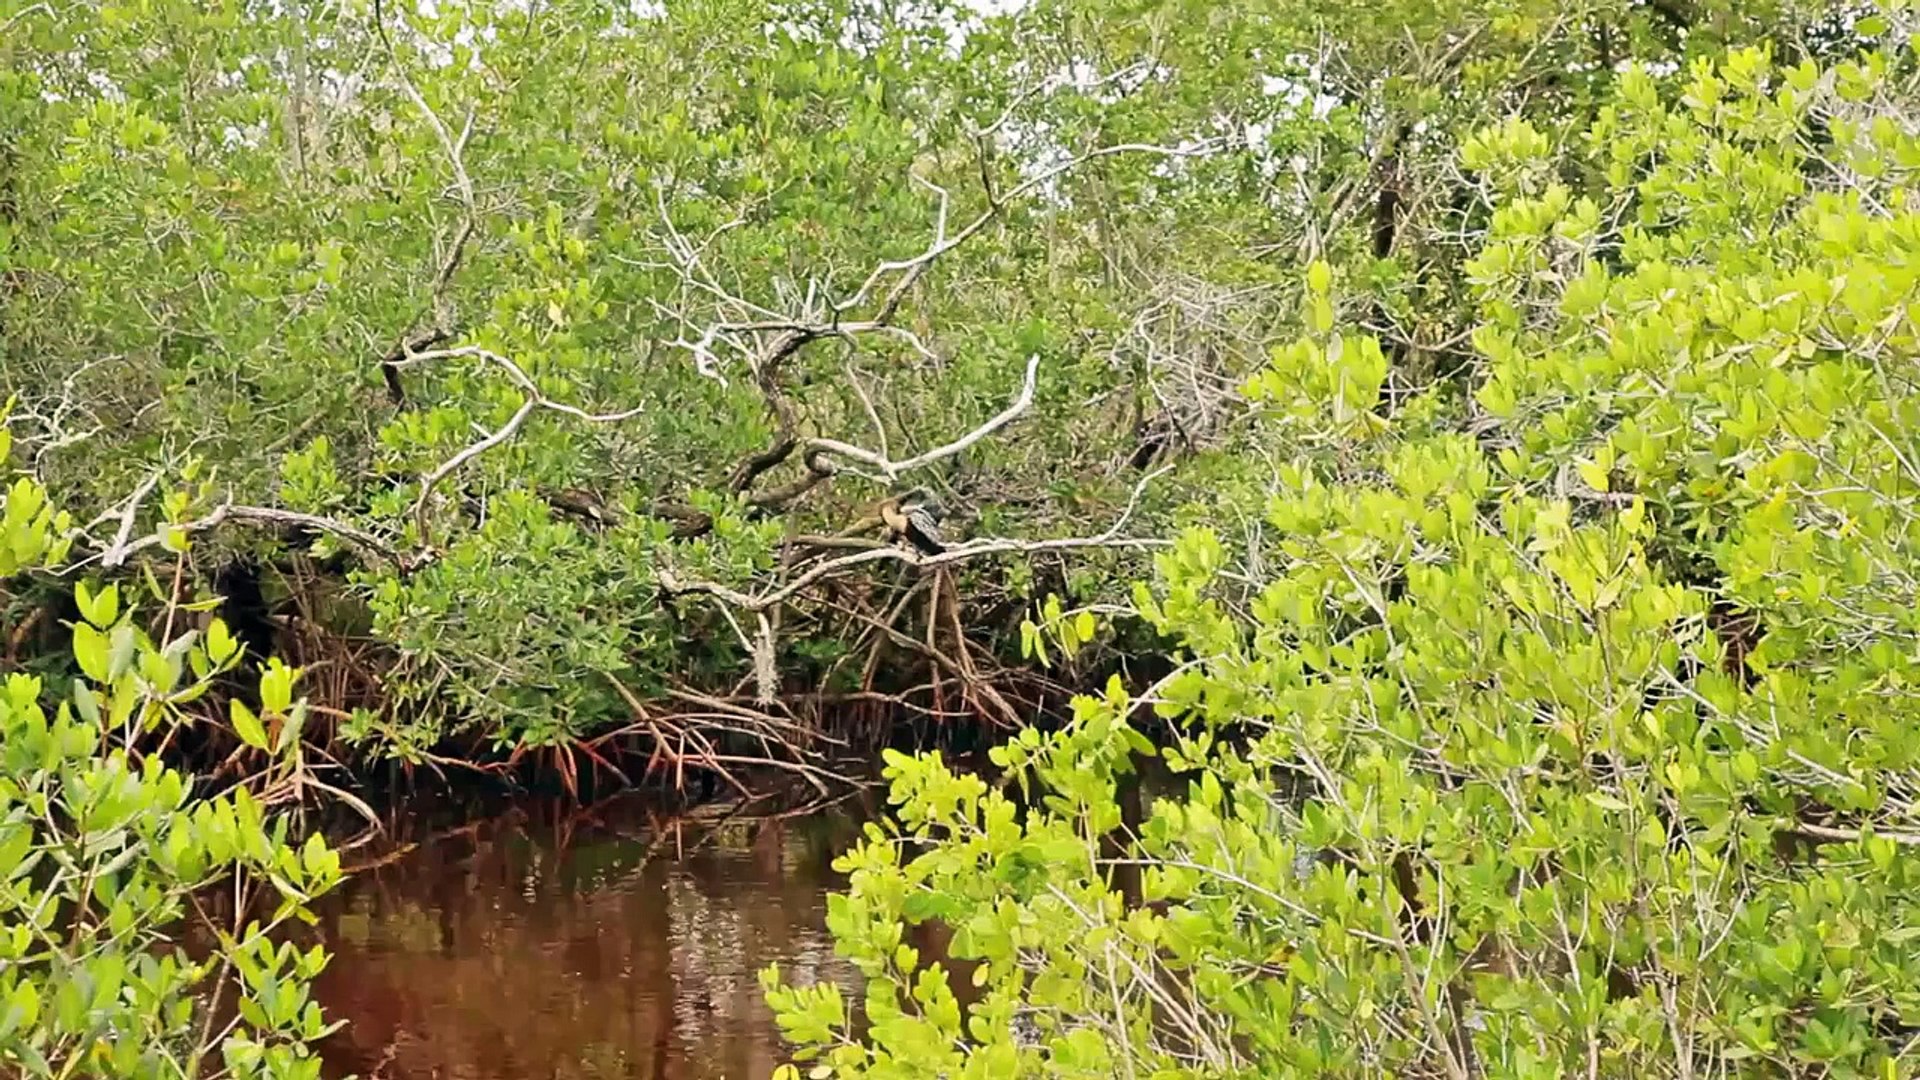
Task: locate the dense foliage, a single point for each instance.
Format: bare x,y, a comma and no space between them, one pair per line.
1561,722
1509,401
107,857
527,304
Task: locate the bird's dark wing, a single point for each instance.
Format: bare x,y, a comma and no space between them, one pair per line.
924,530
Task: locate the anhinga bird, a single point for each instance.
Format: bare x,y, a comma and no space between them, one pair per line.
915,518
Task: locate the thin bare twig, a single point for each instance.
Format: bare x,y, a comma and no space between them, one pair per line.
892,469
535,399
455,149
911,269
1110,538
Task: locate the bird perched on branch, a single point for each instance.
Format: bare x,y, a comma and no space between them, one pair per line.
915,518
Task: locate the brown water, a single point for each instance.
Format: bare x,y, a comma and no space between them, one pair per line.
547,943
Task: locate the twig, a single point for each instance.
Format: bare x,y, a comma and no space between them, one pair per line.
535,399
912,268
790,334
267,515
873,414
41,8
1110,538
117,551
1828,832
892,469
455,149
439,473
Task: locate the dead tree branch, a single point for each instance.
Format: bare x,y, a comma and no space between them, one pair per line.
535,400
769,340
455,149
1110,538
891,470
115,551
122,548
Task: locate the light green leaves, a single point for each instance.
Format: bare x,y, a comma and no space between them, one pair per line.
99,609
1071,631
90,648
32,533
130,846
221,644
276,686
246,724
1586,667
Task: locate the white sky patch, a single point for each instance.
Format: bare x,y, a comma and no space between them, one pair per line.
795,31
341,89
252,136
106,87
1297,94
1659,69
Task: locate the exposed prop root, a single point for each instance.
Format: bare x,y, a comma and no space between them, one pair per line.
723,738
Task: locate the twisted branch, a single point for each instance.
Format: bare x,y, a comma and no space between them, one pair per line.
535,399
892,469
780,337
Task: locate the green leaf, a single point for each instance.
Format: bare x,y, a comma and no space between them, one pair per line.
276,687
290,731
221,645
246,724
1606,801
87,701
101,608
122,647
1594,475
90,649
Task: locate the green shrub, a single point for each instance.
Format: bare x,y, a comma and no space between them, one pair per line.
222,228
1564,723
109,860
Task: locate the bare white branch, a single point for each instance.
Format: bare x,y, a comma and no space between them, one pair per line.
1109,538
892,469
873,414
118,551
502,434
535,399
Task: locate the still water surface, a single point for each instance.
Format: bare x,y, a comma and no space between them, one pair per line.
559,944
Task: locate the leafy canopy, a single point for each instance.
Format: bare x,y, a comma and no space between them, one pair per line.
1565,726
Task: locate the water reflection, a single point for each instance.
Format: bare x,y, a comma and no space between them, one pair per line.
551,944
